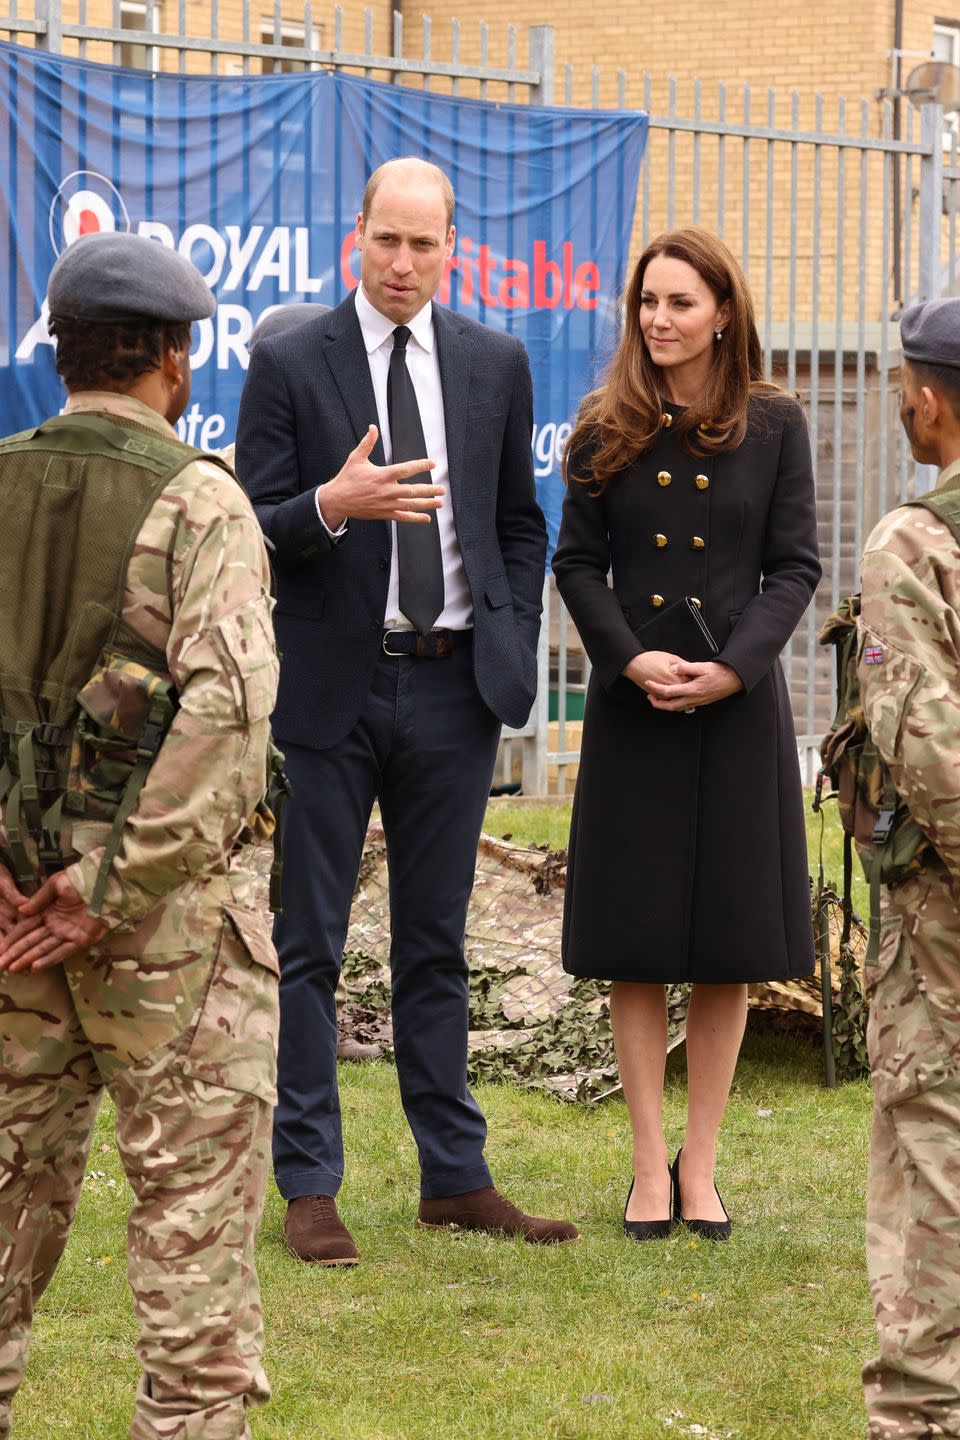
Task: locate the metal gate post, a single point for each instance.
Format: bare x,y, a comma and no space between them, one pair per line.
535,748
931,202
930,224
541,62
50,12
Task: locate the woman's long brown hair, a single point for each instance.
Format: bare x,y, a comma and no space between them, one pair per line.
620,420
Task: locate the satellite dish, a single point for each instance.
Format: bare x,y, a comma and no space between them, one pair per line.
936,82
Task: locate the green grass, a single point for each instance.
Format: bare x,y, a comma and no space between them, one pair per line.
460,1337
440,1336
530,824
549,824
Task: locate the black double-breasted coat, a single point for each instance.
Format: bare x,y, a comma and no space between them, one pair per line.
687,849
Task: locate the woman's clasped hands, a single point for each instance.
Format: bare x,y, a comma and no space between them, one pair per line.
675,684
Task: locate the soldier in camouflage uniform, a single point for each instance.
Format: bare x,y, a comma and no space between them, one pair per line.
165,992
909,672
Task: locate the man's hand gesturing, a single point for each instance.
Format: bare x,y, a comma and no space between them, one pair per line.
362,491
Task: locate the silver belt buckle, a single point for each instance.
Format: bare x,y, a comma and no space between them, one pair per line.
394,654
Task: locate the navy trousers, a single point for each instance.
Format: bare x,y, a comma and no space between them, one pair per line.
425,746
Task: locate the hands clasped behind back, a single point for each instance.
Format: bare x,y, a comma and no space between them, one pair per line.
49,927
363,491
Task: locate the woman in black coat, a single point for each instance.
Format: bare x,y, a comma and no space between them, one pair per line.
687,476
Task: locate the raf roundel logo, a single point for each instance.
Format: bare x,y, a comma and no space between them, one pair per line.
86,203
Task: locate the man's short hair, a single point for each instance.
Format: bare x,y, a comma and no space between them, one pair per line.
433,172
94,355
944,379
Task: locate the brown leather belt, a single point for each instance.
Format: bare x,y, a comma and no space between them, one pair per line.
438,645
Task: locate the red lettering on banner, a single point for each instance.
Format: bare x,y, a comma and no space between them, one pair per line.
506,283
542,269
514,291
486,266
567,275
466,271
586,283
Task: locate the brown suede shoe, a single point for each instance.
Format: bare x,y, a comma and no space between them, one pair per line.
315,1232
488,1210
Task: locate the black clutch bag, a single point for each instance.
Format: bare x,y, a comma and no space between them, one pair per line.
681,630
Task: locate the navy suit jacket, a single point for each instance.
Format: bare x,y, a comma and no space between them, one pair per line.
307,402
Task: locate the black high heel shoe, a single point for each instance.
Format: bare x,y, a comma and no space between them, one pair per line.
647,1229
706,1229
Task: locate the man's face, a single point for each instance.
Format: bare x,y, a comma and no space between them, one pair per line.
404,246
914,417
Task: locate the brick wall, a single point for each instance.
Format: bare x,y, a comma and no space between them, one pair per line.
817,48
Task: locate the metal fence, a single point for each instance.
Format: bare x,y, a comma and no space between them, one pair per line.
359,44
838,225
355,44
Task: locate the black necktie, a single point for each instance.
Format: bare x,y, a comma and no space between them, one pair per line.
419,562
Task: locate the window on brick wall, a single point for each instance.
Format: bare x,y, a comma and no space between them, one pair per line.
292,35
138,15
946,46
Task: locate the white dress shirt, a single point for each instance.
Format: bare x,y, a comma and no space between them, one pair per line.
424,371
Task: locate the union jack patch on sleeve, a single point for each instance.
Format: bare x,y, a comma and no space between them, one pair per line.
873,655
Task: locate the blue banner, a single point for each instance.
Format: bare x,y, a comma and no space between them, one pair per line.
258,180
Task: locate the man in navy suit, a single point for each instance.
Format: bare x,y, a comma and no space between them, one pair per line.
386,449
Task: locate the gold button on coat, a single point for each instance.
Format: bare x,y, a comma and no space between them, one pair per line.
664,477
695,601
656,601
697,542
666,419
701,481
660,541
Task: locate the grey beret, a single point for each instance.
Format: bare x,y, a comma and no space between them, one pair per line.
930,333
112,276
284,318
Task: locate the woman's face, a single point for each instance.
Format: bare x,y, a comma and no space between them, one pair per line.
679,315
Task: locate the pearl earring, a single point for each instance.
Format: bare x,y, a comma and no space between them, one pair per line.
718,335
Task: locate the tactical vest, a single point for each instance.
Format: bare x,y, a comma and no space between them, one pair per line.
74,494
890,843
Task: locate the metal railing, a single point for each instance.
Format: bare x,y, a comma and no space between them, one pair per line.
838,224
809,207
51,31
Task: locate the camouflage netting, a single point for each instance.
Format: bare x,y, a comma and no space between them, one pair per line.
530,1022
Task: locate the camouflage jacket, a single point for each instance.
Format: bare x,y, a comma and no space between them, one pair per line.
909,665
197,588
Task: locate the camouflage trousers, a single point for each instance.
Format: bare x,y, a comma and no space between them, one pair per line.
912,1389
194,1114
